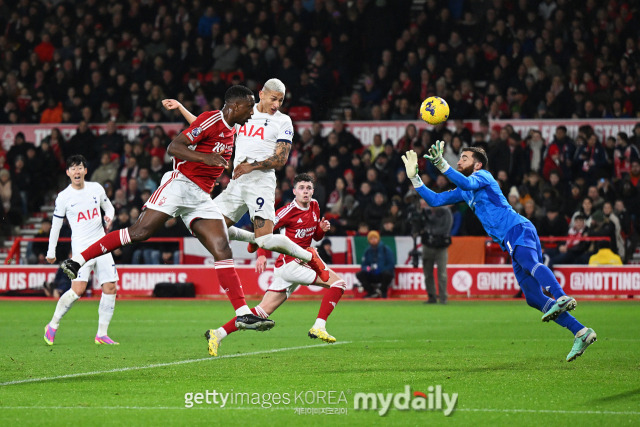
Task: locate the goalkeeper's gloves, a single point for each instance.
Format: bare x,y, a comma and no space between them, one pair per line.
410,160
435,156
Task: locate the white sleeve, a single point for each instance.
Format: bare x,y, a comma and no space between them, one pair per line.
286,130
106,205
56,225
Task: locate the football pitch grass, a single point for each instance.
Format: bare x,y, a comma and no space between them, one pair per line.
507,367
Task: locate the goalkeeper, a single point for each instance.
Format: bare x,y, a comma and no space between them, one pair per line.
514,233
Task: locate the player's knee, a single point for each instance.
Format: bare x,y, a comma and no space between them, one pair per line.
140,233
264,242
109,288
220,248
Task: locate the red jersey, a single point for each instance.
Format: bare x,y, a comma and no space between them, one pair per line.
300,225
208,133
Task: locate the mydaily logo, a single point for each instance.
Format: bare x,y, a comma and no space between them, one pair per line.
434,400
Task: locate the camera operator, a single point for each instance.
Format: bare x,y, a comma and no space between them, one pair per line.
436,238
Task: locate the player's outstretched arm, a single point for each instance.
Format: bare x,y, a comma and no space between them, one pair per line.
435,156
410,160
56,225
277,161
172,104
179,148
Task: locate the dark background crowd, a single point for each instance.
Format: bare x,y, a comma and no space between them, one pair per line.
113,62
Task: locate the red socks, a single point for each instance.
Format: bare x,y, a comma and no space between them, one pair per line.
110,242
331,298
230,282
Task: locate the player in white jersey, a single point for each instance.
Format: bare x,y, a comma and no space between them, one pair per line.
262,146
80,203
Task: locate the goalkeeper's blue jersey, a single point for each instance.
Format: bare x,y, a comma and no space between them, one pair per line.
483,195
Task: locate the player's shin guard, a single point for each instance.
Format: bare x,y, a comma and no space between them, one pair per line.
329,302
533,294
568,321
105,313
283,245
64,304
230,282
110,242
547,280
236,233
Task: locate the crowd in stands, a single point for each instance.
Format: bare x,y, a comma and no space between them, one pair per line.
113,62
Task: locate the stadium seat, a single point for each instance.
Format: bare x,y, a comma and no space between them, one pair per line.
300,112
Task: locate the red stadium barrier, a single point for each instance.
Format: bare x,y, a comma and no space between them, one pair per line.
464,280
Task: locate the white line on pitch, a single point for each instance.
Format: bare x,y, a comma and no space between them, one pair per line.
160,365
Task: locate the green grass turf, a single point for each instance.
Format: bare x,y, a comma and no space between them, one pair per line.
505,364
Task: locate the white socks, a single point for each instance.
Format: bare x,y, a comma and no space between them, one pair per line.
64,304
221,333
78,258
284,245
243,310
320,324
105,313
236,233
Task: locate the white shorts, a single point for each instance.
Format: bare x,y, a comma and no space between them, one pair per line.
103,267
289,276
255,192
177,195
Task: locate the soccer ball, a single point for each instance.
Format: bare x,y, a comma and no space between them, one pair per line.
434,110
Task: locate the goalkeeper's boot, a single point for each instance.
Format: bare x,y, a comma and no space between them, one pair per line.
252,322
213,341
321,334
581,343
49,334
318,265
562,304
105,340
70,268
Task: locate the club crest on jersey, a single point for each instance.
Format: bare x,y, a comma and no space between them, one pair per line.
90,214
315,218
253,131
162,201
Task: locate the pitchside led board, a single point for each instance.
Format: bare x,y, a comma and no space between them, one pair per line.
393,130
465,281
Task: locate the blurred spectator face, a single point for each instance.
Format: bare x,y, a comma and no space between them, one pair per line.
593,192
378,199
578,224
529,207
377,140
607,209
123,216
373,240
635,168
133,185
619,206
587,205
333,162
134,213
143,173
365,188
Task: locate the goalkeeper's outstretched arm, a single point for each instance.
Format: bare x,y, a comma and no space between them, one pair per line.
410,160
